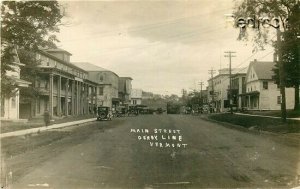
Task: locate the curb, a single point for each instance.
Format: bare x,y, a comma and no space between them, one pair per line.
295,140
44,128
254,115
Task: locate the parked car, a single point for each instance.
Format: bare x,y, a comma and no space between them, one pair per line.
159,110
133,110
104,113
121,111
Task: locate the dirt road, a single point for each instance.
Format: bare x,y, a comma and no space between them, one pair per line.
157,151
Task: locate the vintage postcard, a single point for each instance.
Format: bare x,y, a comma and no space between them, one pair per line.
149,94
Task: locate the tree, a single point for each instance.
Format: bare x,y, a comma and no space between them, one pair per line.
26,26
287,12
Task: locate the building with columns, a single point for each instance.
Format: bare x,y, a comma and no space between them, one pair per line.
107,83
64,87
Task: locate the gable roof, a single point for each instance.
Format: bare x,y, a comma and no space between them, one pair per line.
263,70
56,50
92,67
89,67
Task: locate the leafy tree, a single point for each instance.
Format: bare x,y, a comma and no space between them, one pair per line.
289,47
26,25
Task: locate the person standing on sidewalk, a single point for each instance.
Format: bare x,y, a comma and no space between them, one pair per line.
47,118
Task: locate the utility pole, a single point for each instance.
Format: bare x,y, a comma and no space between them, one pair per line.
201,84
212,72
229,54
281,76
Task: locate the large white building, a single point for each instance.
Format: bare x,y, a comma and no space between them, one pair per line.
261,91
218,88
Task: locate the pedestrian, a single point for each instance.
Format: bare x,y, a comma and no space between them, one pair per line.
47,118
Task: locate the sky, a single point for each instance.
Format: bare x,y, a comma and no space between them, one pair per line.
165,46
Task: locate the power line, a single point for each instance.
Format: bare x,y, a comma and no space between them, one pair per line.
150,26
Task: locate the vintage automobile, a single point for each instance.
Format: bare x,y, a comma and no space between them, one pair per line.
104,113
121,111
133,110
159,110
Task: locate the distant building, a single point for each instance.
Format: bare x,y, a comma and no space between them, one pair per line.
147,95
125,89
136,96
204,96
107,84
10,106
238,87
261,91
218,88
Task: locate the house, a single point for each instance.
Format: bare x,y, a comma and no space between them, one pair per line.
125,90
10,106
261,91
107,84
64,87
136,96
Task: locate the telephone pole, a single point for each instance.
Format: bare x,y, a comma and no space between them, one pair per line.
281,76
212,72
201,84
230,54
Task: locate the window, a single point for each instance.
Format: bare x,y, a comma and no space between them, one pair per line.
48,62
278,99
101,77
133,101
38,56
265,85
100,90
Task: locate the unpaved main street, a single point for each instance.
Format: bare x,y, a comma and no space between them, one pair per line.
115,154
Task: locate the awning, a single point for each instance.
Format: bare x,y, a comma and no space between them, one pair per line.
20,82
252,93
116,99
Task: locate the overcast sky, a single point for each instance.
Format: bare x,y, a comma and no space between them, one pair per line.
164,46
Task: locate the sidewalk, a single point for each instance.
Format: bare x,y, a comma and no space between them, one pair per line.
297,119
44,128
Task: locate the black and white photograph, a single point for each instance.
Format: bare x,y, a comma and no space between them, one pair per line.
150,94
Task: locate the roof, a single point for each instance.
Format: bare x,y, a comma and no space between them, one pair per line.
57,50
126,78
234,72
20,82
92,67
263,70
59,60
88,66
